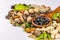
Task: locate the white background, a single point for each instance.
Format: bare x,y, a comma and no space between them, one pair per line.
7,31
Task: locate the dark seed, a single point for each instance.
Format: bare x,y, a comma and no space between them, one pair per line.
12,7
7,17
24,4
40,23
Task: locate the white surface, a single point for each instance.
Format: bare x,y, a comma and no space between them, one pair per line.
7,31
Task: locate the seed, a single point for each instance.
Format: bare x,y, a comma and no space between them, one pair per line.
12,7
24,4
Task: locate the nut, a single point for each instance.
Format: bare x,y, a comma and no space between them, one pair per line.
31,10
26,12
58,27
36,10
29,19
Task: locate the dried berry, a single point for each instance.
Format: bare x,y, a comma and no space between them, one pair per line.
41,20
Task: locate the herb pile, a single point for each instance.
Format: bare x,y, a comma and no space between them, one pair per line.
22,15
